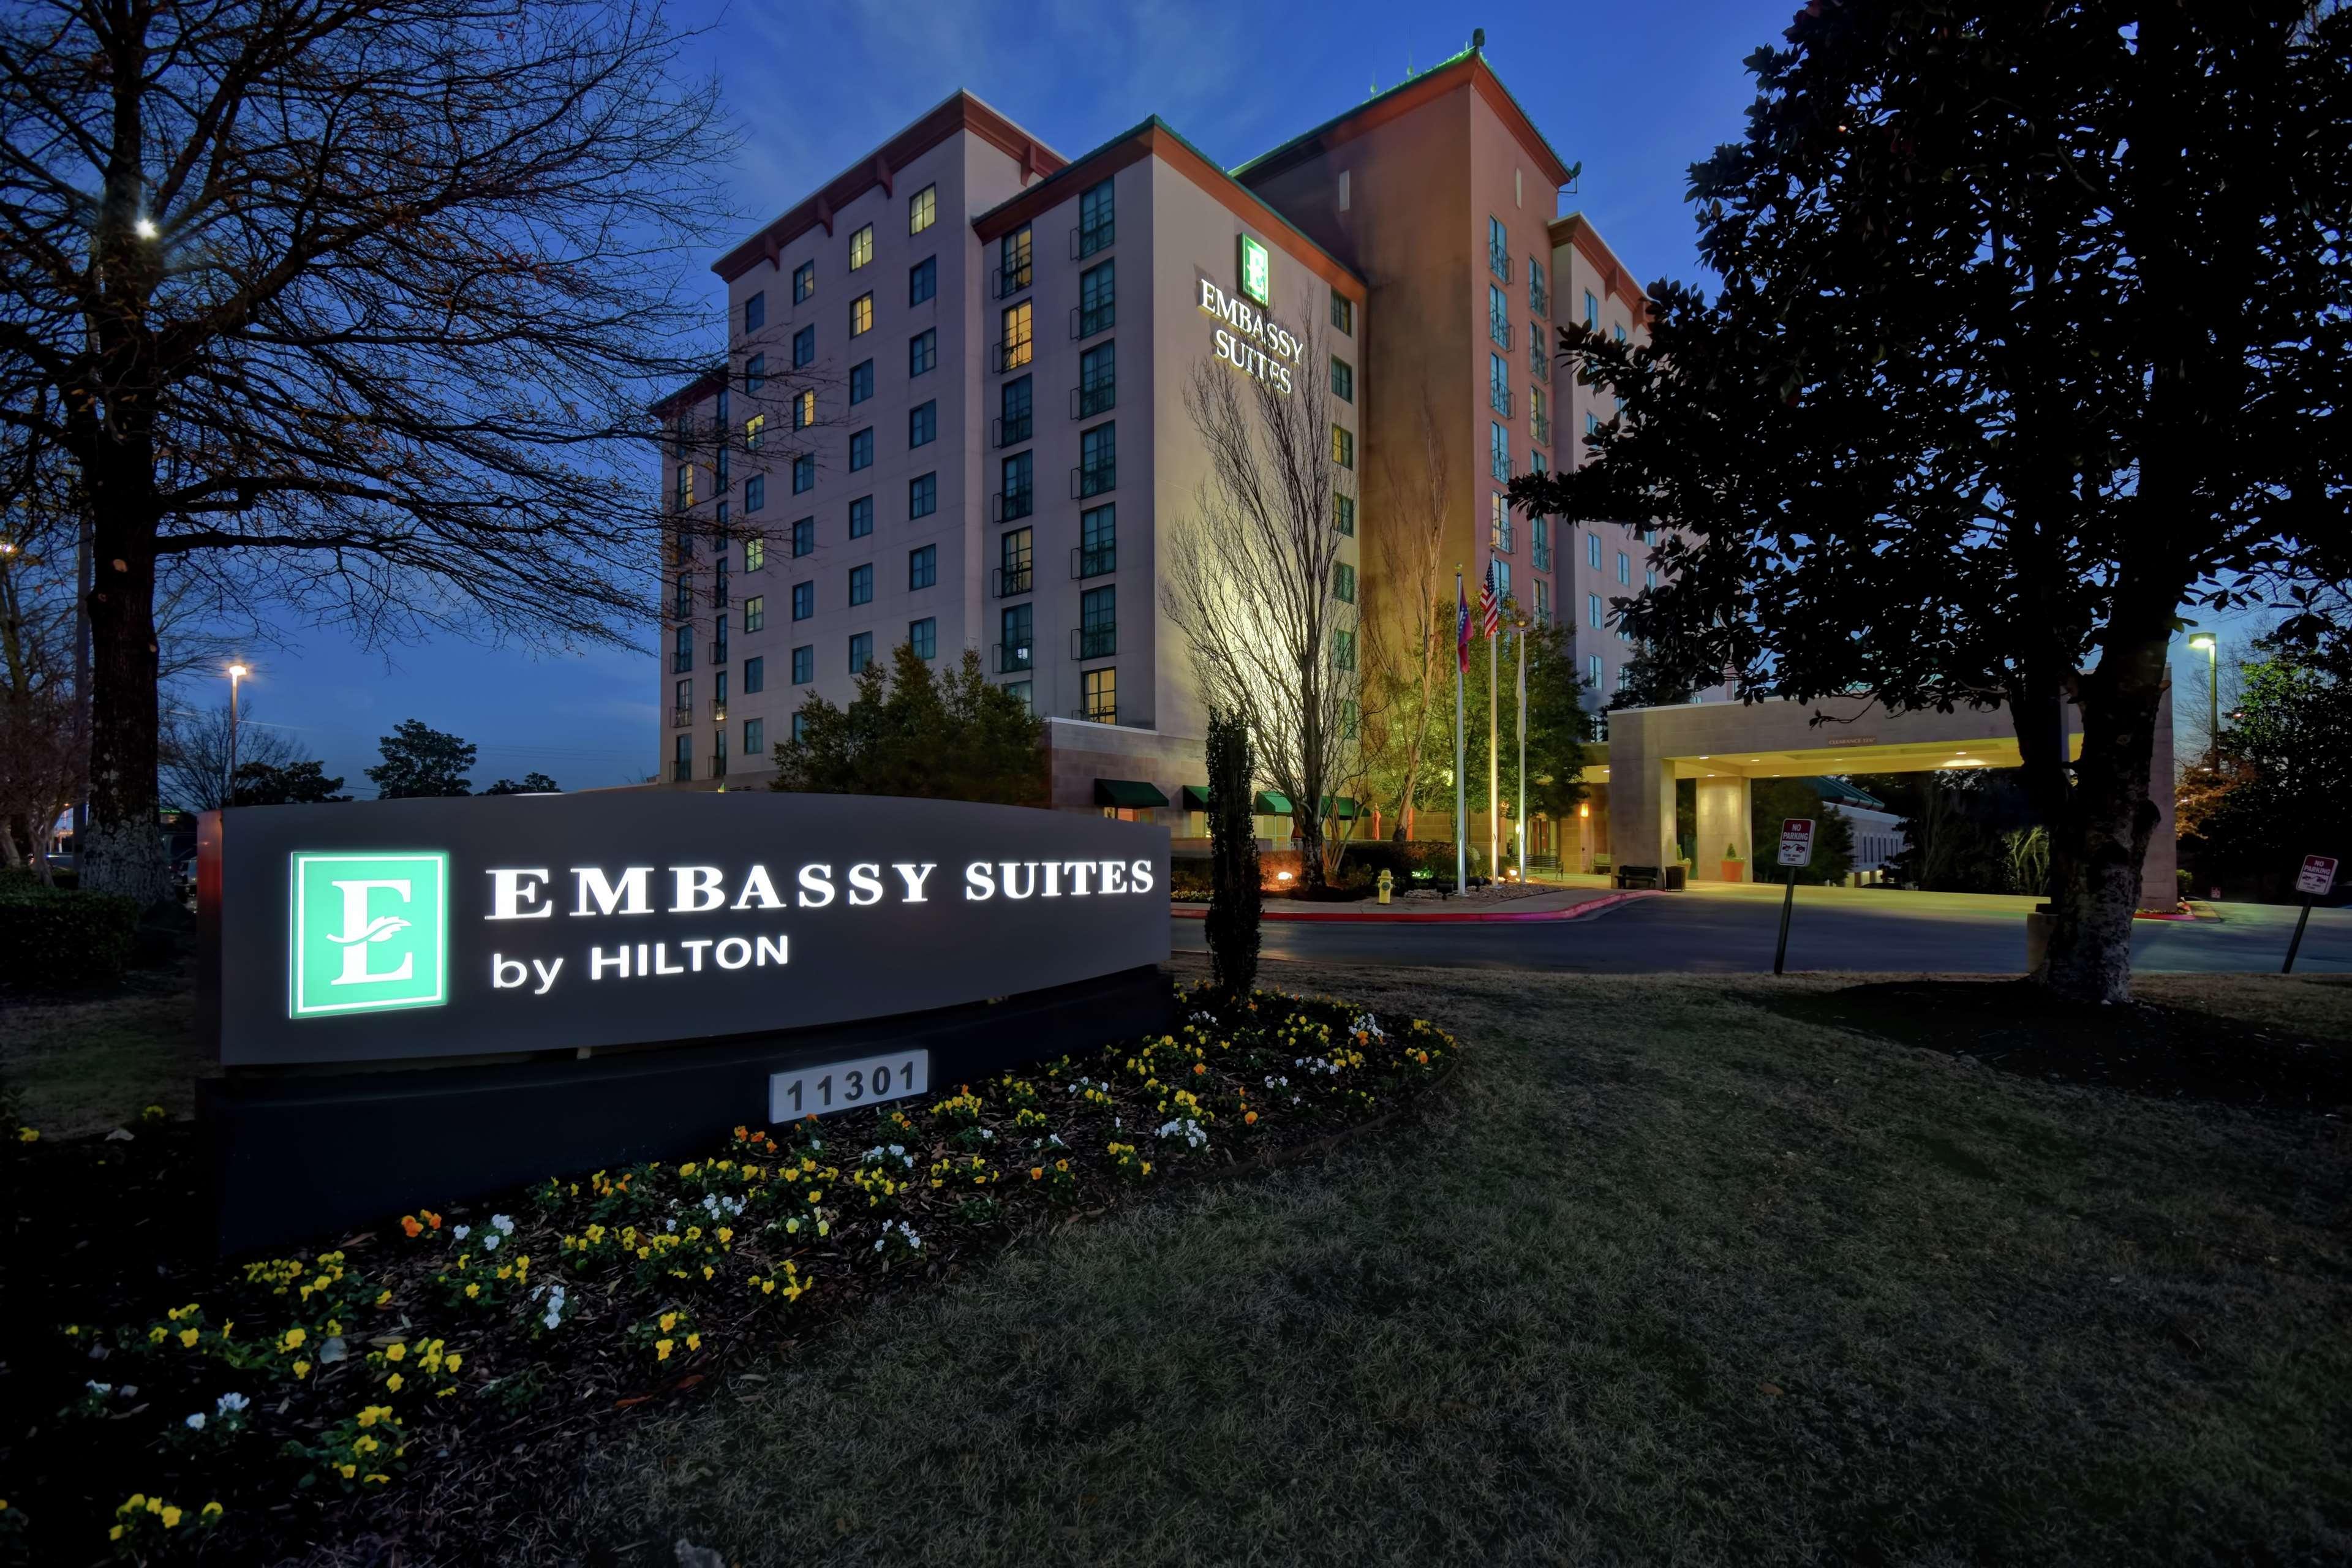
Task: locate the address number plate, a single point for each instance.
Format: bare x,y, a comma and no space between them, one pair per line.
838,1086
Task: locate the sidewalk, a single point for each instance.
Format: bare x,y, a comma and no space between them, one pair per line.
1566,904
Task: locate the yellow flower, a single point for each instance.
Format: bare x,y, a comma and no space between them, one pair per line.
154,1505
137,1500
668,1321
694,1342
211,1511
28,1135
392,1383
347,1470
661,1350
293,1340
170,1518
376,1478
397,1351
188,1338
301,1369
114,1532
453,1363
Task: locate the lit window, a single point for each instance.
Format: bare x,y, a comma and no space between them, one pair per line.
1013,347
923,637
755,311
755,554
804,283
922,209
923,423
753,428
1343,447
861,652
686,484
1099,687
922,567
861,314
1013,269
861,517
804,410
861,247
861,584
755,613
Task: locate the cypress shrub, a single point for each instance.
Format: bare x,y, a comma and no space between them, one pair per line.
1234,898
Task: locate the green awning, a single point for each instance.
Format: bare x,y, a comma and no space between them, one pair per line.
1128,794
1345,807
1196,797
1272,803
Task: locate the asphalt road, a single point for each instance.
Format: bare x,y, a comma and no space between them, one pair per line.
1731,930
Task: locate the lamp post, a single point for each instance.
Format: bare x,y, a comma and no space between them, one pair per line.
2213,699
237,672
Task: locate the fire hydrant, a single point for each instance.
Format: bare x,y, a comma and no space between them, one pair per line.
1387,881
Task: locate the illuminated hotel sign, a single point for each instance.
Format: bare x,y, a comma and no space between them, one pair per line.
1255,272
1246,340
435,928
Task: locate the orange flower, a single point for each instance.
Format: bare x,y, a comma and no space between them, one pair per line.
1251,1119
1036,1172
408,1223
431,1218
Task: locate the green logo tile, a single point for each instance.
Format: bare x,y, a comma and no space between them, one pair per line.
368,932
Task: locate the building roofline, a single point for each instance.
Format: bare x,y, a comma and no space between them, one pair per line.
1154,137
693,392
1470,66
959,111
1575,230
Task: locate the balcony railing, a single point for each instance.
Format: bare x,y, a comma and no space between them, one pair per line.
1006,281
1004,432
719,594
681,770
681,661
1498,330
1498,398
1093,399
1098,641
1006,505
1011,356
1086,324
1098,713
682,606
719,766
718,653
1090,239
1099,561
1499,467
681,717
1542,426
1541,557
1012,658
1093,481
1010,581
718,712
1498,262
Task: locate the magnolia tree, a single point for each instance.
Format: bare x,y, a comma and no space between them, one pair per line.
2032,330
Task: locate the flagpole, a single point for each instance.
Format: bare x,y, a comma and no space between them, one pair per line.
1522,824
1461,784
1494,750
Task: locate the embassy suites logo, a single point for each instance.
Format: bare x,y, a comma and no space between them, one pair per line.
371,932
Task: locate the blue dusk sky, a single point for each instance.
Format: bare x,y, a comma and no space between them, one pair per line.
1635,96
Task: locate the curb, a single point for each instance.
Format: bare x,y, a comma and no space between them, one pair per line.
1581,911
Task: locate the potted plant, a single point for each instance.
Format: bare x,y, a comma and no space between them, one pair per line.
1735,869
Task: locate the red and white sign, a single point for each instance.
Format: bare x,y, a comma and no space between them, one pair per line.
2318,875
1797,841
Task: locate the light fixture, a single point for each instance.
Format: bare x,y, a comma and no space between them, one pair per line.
146,228
239,672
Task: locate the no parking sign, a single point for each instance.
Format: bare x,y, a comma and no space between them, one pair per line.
1797,841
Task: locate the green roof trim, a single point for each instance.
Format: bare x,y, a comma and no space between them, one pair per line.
1241,169
1272,803
1129,795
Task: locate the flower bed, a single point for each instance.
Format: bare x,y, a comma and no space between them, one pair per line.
162,1402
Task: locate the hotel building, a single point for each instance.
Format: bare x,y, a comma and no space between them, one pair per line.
952,415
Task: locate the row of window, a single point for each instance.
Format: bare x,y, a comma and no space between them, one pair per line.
922,212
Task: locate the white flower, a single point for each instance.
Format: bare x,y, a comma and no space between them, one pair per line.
462,1232
490,1239
230,1404
100,1389
502,1223
196,1422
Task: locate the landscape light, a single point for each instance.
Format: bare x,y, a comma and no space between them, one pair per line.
147,230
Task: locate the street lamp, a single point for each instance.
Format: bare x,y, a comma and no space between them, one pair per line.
2212,698
237,672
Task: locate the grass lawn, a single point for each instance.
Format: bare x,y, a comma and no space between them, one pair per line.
85,1067
1666,1278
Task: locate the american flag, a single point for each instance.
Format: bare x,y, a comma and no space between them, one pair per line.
1461,626
1490,606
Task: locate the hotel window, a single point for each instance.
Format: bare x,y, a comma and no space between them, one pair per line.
1098,623
718,645
681,763
804,283
1592,610
861,247
755,676
923,637
861,652
1649,576
1013,347
861,584
754,428
1024,693
923,423
805,347
1343,515
1498,249
923,280
803,664
1498,452
755,311
682,605
755,737
1343,650
1624,568
861,517
1592,550
1012,628
861,384
1543,602
1097,225
755,374
1097,459
1013,562
686,484
922,567
922,495
1098,541
1097,298
755,554
1343,582
719,754
1540,543
922,353
1502,579
1346,194
861,449
1350,715
1015,495
1539,303
681,696
719,695
1498,317
755,492
1343,447
1620,331
1014,407
1592,671
719,583
1098,379
1591,311
1593,424
922,209
1013,269
719,473
1538,421
1498,522
800,728
1343,380
681,653
804,601
755,613
1100,690
803,537
1343,314
861,314
1649,536
1498,385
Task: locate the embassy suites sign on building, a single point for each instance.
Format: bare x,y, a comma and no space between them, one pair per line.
1247,338
433,927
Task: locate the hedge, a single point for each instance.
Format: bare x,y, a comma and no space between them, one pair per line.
60,939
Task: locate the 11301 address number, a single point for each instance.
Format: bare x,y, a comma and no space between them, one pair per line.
838,1086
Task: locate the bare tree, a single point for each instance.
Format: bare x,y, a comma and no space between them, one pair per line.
41,730
1407,645
346,308
196,753
1252,581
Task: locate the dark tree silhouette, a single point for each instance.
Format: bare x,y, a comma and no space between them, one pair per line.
419,760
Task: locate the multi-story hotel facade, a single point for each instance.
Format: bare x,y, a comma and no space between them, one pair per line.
952,412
